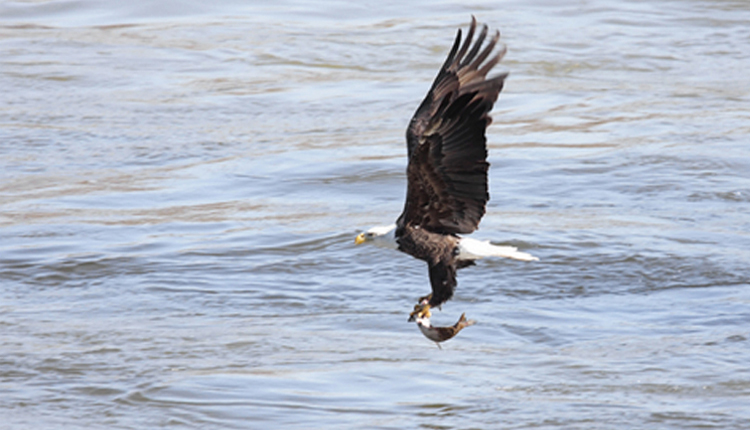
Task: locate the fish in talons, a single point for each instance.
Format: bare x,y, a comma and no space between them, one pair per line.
437,334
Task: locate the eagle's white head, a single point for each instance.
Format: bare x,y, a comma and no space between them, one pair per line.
383,236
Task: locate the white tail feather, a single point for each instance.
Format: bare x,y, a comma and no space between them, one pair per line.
472,249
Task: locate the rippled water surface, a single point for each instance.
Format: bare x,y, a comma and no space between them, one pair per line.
181,183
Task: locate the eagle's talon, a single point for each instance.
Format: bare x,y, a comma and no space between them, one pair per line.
421,310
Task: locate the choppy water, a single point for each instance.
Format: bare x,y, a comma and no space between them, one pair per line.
181,183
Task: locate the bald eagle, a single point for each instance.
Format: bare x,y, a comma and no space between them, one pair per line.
446,191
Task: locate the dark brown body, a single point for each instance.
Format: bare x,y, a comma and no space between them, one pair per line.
439,251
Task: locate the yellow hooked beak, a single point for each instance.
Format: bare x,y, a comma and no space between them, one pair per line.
360,239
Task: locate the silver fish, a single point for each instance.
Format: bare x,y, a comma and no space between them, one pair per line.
441,334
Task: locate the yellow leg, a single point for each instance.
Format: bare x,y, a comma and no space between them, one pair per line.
426,299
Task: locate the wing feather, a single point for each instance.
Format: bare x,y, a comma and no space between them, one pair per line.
447,172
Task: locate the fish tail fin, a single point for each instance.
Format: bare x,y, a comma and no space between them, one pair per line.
463,322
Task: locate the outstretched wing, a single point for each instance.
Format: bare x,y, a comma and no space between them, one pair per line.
447,171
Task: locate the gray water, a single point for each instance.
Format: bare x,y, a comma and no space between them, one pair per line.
181,184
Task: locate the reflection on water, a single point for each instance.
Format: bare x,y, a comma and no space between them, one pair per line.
180,186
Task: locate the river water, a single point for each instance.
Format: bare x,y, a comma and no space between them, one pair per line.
181,184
